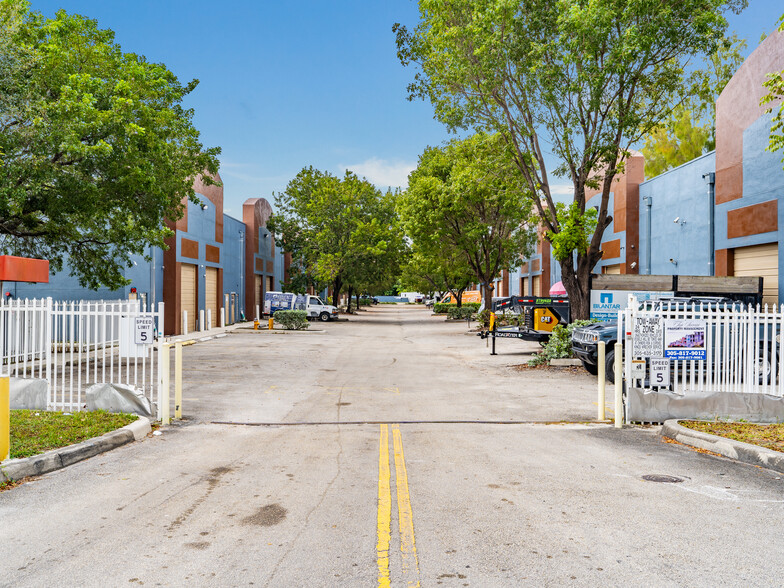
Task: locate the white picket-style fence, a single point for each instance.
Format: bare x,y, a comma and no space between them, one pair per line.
742,348
73,345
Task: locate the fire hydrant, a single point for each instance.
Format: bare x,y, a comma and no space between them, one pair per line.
255,324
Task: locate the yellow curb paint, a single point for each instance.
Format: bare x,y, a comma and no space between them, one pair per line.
384,508
405,515
5,418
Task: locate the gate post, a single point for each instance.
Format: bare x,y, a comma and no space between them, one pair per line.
602,379
618,385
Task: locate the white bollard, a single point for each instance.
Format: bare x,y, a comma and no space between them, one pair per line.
258,316
223,317
209,319
202,325
164,397
184,322
618,385
602,379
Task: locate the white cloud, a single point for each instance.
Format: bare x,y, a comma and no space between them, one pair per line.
562,189
383,173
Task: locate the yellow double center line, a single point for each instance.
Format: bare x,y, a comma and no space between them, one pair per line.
410,563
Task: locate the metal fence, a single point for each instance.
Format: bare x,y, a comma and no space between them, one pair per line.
73,345
726,356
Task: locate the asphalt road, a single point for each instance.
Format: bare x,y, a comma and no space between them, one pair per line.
451,468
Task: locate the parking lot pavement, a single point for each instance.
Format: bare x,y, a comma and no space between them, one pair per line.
375,468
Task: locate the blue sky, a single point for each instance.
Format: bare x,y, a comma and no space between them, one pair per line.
290,84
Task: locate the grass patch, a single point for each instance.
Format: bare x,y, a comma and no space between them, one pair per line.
33,432
768,436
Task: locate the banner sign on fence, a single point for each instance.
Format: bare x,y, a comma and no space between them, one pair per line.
684,339
605,304
144,331
647,336
660,371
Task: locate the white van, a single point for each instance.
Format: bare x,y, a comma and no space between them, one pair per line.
312,305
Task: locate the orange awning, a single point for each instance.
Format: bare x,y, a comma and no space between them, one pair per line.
23,269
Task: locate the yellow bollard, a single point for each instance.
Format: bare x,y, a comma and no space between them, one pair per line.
164,399
178,380
5,418
255,324
602,378
270,323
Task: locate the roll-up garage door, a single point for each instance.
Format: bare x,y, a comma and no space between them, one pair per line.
524,287
211,296
188,294
760,260
537,285
258,301
612,269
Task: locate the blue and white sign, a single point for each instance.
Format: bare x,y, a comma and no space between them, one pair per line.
685,339
605,304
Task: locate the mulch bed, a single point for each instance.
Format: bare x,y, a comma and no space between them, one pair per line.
768,436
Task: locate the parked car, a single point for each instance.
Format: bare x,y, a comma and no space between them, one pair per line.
585,340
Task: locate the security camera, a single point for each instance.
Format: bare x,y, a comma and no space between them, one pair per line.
633,265
677,218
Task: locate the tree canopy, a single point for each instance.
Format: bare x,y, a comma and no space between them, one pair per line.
97,149
339,231
468,199
574,81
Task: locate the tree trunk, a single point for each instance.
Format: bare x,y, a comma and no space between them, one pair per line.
350,292
358,300
575,282
459,297
336,287
487,295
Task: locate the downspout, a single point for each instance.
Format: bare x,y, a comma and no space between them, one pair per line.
710,177
648,203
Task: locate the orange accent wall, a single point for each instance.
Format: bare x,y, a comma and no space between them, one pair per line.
611,249
23,269
753,220
189,248
213,254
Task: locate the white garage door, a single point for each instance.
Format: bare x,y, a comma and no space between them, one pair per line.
524,288
211,296
537,285
760,260
612,269
188,294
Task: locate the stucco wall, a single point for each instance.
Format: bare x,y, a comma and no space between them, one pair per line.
680,193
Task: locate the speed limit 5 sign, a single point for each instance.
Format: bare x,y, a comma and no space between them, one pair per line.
660,371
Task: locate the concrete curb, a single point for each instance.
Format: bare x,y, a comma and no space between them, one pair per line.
566,362
745,452
16,469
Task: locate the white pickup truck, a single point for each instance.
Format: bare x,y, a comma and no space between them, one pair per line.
312,305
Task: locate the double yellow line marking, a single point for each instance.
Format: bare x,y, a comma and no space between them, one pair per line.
410,563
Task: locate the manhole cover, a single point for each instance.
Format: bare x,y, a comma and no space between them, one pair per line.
662,478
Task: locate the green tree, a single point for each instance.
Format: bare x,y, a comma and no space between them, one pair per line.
775,86
468,198
574,80
690,129
436,267
339,231
97,150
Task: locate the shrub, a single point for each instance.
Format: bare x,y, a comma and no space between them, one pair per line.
560,343
441,308
461,313
292,319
